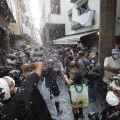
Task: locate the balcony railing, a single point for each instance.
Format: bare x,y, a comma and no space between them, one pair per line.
84,20
8,10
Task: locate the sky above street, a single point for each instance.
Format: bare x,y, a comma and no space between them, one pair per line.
36,10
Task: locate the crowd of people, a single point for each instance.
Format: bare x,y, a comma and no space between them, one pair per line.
22,69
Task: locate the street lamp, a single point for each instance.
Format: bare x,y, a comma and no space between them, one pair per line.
98,33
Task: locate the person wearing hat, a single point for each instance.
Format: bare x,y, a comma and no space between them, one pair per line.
29,58
22,57
22,60
113,94
10,69
10,81
79,45
50,74
83,62
10,65
111,66
57,63
37,57
7,90
94,74
77,79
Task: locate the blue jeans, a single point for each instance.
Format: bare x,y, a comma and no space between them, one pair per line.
94,87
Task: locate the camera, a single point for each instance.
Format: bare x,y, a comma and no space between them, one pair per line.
93,116
1,95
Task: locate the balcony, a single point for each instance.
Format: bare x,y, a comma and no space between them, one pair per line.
8,10
84,20
26,30
73,1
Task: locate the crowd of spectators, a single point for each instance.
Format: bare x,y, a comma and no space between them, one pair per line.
22,69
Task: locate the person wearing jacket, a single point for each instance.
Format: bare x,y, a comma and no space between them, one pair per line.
27,103
50,74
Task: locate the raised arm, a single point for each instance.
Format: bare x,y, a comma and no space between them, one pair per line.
69,82
37,66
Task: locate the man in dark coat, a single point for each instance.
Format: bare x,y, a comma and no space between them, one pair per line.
28,103
50,75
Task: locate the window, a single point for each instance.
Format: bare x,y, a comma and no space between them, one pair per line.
55,6
82,6
82,9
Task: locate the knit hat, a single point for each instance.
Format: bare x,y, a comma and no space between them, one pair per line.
116,51
21,54
11,79
5,89
112,99
69,48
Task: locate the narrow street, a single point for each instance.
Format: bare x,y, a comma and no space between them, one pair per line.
64,99
65,104
65,39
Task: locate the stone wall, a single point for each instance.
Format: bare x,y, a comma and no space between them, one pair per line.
107,28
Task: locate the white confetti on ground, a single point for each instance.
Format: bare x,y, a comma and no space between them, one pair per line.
65,104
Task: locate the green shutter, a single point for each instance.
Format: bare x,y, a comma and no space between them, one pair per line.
81,2
70,12
77,26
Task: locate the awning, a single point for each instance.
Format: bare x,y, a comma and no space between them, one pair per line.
81,2
71,39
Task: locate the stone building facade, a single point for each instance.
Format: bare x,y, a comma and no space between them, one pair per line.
16,24
53,20
22,29
7,16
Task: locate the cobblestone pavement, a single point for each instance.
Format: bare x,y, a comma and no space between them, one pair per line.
65,104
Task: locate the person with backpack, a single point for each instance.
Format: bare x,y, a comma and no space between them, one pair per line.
27,103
